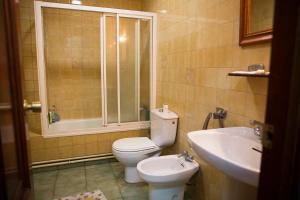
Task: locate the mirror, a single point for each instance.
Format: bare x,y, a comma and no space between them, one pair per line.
256,21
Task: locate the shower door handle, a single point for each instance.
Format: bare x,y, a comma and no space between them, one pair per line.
34,106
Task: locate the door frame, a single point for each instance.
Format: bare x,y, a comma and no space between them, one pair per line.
279,177
11,16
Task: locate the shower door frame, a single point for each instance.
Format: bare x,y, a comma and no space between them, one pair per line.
113,127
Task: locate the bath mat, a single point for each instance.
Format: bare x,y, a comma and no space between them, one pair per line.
96,195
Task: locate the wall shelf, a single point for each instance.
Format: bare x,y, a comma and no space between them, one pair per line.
249,75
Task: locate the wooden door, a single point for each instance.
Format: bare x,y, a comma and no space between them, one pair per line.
14,168
280,170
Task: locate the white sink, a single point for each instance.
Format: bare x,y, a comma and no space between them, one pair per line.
230,150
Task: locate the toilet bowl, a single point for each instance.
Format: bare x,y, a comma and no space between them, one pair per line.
166,176
130,151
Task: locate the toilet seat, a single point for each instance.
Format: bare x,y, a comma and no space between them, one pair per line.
134,144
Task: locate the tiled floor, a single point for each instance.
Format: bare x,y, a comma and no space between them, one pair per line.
108,176
87,177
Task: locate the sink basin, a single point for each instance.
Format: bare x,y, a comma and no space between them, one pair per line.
235,151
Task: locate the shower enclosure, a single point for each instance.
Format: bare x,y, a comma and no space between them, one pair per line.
96,68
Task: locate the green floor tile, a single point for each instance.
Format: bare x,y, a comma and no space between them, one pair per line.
107,176
136,198
45,177
70,181
43,194
100,172
69,190
118,169
44,184
108,187
133,189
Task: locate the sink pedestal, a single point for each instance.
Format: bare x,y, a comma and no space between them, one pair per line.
237,190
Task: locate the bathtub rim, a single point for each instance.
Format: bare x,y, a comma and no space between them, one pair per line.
129,126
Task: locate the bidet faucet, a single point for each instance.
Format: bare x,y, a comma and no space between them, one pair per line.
186,156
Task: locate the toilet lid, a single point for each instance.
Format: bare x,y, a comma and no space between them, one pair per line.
134,144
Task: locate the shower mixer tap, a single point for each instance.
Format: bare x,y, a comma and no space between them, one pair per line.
220,114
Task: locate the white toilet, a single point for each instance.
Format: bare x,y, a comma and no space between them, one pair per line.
167,176
130,151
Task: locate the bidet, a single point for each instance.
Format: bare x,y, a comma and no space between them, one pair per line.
167,176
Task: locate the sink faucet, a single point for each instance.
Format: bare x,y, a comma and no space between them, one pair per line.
258,127
186,156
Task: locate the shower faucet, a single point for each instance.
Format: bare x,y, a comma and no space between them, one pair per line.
220,114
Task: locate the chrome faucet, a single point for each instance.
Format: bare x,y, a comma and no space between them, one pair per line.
257,126
186,156
220,114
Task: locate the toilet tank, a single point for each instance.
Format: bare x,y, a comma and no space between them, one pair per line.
163,127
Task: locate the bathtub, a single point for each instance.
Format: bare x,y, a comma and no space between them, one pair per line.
73,127
76,124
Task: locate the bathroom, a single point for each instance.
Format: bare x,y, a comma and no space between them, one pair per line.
106,79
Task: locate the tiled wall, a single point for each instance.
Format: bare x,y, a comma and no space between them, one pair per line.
45,149
197,47
56,148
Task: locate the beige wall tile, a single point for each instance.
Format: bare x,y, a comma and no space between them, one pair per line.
46,149
237,102
91,148
51,143
64,152
78,150
38,155
64,141
104,147
198,46
90,138
37,142
77,140
52,154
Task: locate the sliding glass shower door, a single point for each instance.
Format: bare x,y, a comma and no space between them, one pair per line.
72,65
126,68
95,68
129,67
